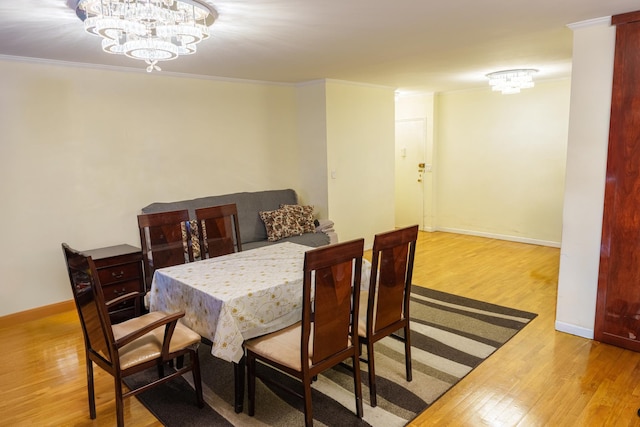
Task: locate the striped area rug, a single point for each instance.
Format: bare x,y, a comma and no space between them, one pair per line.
450,336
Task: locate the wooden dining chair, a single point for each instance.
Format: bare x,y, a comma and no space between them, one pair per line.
219,230
151,340
384,308
165,238
327,335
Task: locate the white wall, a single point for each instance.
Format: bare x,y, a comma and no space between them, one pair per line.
82,150
500,162
592,74
360,152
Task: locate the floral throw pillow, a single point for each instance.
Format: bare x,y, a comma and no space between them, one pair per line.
195,239
303,215
279,224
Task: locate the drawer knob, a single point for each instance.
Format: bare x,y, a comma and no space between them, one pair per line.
116,275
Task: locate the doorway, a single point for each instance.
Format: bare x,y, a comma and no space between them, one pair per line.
411,141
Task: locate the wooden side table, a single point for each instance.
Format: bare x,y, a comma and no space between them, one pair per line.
120,272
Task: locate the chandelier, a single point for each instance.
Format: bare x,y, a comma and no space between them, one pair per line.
149,30
511,81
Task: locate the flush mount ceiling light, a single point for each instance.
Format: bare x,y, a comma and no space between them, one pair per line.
511,81
149,30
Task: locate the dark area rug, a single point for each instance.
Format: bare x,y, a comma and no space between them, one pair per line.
450,336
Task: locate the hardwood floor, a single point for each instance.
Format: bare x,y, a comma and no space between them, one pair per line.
539,378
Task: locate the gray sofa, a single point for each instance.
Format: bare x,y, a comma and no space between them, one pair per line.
252,230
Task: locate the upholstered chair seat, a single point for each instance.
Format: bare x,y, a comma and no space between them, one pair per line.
149,347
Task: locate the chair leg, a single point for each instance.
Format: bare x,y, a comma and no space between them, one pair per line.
119,400
357,385
197,379
238,378
372,375
91,389
308,408
251,383
407,352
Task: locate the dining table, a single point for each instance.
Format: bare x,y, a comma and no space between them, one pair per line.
235,297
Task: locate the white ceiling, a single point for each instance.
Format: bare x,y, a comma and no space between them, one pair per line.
425,45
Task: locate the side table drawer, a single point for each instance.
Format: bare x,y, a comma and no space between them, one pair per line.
118,289
119,273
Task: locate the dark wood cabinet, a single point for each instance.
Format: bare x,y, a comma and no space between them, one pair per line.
618,301
120,272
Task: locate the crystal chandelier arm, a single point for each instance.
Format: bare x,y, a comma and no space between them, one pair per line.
150,30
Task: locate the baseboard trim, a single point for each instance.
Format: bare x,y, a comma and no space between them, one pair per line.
574,330
36,313
518,239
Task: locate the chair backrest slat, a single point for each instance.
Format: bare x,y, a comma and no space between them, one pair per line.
166,240
332,279
392,266
219,230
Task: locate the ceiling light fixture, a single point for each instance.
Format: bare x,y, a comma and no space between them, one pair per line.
511,81
149,30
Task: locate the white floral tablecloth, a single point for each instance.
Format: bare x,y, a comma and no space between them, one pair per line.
235,297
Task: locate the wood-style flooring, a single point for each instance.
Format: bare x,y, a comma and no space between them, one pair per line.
540,378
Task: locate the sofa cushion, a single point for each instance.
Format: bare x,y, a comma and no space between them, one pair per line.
280,223
302,215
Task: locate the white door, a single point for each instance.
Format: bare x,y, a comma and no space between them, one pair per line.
409,174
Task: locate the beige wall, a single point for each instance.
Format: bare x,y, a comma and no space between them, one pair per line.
83,150
592,74
500,162
360,154
312,125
